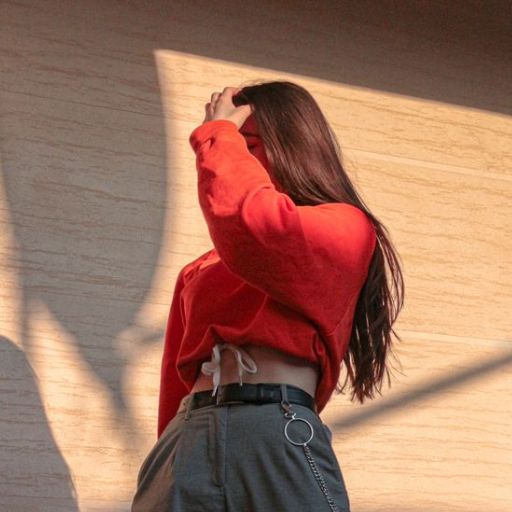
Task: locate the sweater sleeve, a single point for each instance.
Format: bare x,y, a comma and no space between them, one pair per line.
172,389
313,259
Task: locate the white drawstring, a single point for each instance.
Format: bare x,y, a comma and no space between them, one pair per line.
213,366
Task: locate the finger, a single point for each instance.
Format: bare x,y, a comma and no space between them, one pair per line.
209,109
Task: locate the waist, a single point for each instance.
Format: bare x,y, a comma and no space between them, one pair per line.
273,366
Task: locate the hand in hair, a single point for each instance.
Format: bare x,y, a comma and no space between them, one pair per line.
222,107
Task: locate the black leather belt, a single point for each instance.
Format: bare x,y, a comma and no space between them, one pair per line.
261,393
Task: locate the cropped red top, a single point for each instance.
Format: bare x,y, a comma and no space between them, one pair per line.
279,275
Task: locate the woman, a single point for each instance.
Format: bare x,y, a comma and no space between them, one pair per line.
294,287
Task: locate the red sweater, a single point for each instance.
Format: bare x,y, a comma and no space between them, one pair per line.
279,275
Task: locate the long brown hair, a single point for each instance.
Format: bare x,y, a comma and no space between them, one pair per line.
305,160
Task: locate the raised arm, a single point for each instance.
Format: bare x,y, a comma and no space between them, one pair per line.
313,259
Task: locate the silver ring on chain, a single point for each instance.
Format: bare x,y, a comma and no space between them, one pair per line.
305,421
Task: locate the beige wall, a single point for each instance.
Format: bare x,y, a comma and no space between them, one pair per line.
98,212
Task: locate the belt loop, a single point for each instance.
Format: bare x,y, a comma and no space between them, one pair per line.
189,406
219,394
285,404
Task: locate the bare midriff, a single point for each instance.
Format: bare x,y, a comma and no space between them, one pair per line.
273,366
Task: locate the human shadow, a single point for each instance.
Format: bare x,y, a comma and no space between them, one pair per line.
35,475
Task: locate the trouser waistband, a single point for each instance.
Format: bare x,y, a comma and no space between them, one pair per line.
260,393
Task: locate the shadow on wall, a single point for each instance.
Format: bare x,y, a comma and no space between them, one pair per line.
84,148
451,52
84,165
33,472
416,394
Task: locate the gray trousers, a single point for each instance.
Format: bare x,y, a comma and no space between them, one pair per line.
235,457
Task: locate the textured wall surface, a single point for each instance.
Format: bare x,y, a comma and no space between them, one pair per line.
98,212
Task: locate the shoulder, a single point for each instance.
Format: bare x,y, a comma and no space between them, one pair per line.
347,233
345,209
342,218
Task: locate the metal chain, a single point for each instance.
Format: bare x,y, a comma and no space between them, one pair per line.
292,416
319,478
